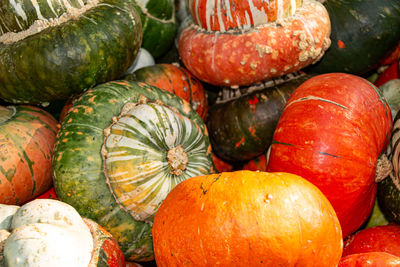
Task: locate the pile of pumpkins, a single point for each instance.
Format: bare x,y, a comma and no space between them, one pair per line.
199,133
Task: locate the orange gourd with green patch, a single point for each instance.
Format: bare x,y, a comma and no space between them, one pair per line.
27,137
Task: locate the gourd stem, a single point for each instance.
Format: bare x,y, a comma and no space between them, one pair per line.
383,168
177,160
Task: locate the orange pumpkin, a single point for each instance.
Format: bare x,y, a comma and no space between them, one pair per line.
27,137
246,218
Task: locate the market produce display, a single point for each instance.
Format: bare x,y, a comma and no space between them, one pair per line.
146,133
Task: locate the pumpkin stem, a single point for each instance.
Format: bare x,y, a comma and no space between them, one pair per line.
383,168
177,159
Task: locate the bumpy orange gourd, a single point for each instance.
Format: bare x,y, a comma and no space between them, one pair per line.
246,218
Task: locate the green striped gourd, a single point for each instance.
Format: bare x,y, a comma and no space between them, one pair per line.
121,148
51,49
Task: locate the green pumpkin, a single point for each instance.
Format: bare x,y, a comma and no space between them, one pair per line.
88,45
121,148
242,128
362,33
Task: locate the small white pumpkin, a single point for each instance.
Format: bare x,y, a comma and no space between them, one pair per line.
45,232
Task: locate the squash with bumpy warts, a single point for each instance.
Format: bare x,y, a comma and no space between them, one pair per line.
31,236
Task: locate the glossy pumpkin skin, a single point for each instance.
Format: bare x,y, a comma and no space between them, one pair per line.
177,80
222,16
110,158
370,259
27,137
385,238
342,124
357,36
159,25
241,129
244,57
93,48
246,218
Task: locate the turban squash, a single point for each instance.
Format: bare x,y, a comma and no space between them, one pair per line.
31,235
331,132
121,148
251,52
52,49
27,137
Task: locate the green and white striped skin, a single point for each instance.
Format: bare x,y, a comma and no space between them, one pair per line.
159,25
64,52
121,148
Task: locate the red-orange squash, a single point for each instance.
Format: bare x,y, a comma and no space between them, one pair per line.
246,218
244,57
27,137
370,259
331,132
383,238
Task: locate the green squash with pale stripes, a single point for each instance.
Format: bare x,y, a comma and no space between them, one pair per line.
159,25
121,148
51,49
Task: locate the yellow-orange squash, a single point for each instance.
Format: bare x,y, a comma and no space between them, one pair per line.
246,218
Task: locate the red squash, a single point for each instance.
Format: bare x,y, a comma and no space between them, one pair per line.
391,73
370,259
49,194
331,132
385,238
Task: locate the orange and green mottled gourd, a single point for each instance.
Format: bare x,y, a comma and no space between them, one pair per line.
247,218
331,132
121,148
177,80
27,137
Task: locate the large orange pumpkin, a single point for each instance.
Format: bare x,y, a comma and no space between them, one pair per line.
27,137
246,218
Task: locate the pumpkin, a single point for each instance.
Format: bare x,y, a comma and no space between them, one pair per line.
370,259
64,47
374,239
331,132
390,73
177,80
220,165
388,193
246,218
121,148
241,128
159,25
32,235
257,164
240,57
27,137
221,16
51,193
358,30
